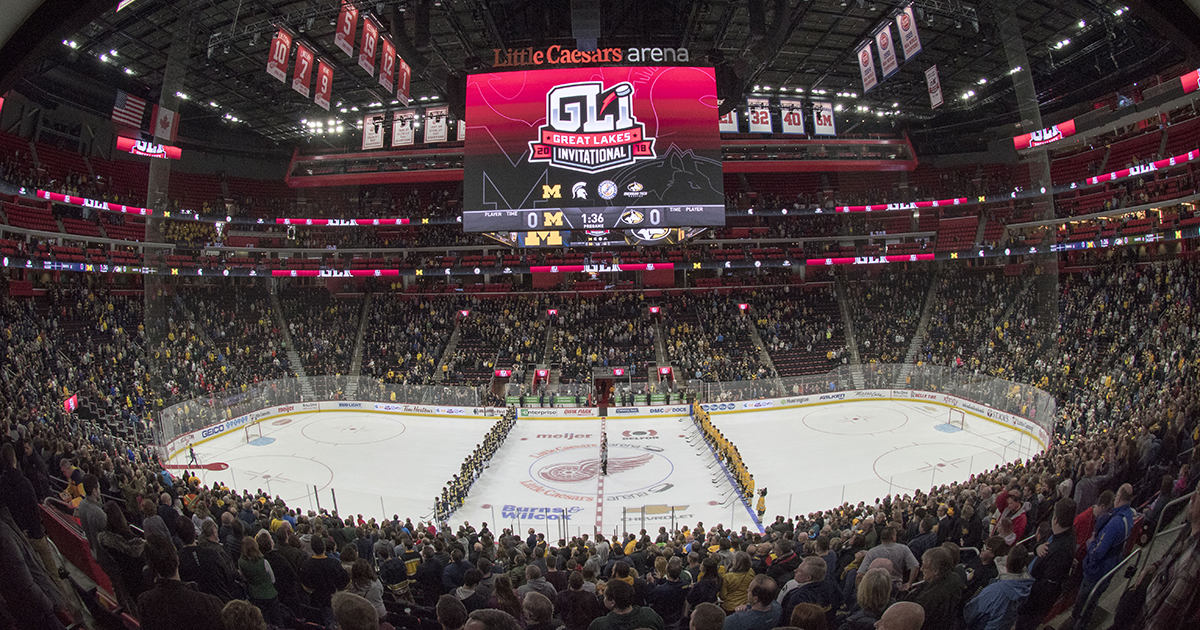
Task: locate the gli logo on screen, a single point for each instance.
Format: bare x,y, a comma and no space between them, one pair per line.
591,129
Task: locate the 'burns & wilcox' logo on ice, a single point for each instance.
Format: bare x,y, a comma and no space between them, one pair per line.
591,129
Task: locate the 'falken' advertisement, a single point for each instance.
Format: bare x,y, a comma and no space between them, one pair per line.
592,149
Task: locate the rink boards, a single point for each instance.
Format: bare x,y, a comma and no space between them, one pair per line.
385,458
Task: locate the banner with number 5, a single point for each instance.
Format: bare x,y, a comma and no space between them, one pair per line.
760,115
324,84
281,51
302,76
346,25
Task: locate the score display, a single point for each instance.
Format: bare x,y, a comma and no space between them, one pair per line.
592,149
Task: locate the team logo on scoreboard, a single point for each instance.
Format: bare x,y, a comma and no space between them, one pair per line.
607,189
591,129
631,217
579,190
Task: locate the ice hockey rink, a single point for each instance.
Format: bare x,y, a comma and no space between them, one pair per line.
660,473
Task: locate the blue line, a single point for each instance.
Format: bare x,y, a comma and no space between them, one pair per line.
729,476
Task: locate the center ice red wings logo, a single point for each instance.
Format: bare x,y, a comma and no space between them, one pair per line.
591,129
570,472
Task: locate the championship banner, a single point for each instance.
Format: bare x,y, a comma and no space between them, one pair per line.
823,124
402,82
304,65
402,127
281,49
728,123
366,51
166,124
935,87
791,113
866,67
910,40
347,23
759,113
324,84
387,65
887,54
461,126
372,137
437,120
1050,134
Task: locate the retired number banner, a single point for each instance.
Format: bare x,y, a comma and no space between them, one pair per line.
792,116
823,124
729,122
346,25
281,50
370,38
402,82
760,115
302,77
387,65
324,84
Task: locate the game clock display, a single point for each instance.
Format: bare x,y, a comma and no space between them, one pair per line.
611,218
592,149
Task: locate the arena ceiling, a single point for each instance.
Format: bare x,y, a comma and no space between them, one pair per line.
1077,49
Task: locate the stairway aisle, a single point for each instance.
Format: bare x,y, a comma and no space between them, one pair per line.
306,388
848,324
918,340
356,360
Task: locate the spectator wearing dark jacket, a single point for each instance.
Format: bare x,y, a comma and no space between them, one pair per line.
173,604
668,596
575,606
1050,568
941,594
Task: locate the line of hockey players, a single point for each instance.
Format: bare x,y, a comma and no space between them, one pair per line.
455,492
726,452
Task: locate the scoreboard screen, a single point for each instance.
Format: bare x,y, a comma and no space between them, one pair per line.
592,149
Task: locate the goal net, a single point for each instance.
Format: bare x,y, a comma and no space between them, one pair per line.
957,418
253,432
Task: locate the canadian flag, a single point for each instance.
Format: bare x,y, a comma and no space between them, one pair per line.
166,124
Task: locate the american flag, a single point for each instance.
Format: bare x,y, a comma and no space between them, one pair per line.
128,110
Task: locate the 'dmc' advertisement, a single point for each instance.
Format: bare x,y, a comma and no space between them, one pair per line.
601,148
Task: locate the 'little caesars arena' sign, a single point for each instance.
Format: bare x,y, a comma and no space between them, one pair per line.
558,56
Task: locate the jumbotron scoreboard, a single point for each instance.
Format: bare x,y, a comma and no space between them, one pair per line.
587,149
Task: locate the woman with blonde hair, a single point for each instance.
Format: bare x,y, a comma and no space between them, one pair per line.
874,596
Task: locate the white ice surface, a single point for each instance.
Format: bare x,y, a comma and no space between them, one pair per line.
809,458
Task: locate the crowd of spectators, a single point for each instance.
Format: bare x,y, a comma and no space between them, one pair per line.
796,324
405,337
886,310
612,331
708,338
323,328
507,333
1124,375
966,319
